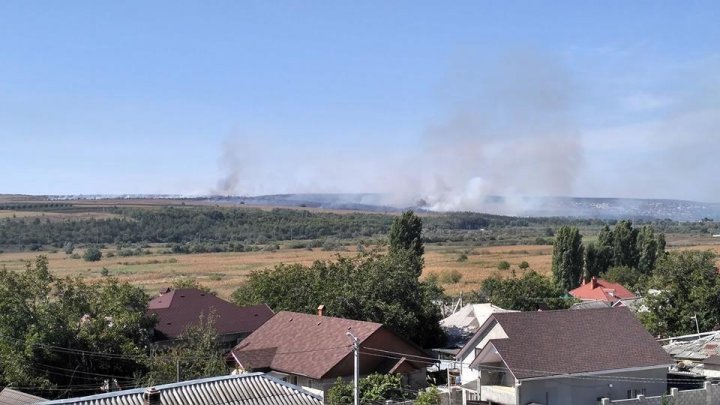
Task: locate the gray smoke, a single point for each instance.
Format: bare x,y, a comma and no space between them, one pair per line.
513,136
510,132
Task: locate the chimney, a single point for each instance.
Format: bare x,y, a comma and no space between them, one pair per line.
321,310
151,396
594,282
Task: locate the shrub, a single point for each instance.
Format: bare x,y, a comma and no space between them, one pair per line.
92,254
524,265
68,248
450,276
104,271
74,256
430,396
503,265
462,258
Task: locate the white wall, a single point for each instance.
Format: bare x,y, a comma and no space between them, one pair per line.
493,331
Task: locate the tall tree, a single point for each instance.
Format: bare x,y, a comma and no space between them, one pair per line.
406,235
594,263
567,258
625,245
647,249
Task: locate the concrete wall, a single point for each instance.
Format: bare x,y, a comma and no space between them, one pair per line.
592,388
709,395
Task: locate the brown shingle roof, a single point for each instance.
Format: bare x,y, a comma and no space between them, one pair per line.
567,342
316,346
181,308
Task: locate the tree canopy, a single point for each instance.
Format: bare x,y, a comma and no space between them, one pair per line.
684,284
567,258
529,292
63,334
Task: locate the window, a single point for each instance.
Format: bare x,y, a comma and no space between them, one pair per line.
628,394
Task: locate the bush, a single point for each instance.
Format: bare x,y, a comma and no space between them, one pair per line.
524,265
68,248
92,254
104,271
450,277
74,256
462,258
430,396
503,265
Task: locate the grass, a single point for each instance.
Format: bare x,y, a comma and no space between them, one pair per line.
225,272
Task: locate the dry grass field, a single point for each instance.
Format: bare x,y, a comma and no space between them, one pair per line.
224,272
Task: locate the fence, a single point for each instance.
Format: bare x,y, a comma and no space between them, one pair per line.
708,395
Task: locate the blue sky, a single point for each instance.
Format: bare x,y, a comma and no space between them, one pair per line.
449,101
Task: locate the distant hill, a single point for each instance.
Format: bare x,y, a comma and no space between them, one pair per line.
596,208
575,207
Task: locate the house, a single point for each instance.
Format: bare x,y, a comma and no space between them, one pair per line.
461,325
9,396
563,357
314,350
178,309
602,290
254,388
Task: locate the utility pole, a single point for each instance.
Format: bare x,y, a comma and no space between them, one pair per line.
356,376
697,327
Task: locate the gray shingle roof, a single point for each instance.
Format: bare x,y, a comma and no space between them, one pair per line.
567,342
253,388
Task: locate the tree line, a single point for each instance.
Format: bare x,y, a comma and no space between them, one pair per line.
219,226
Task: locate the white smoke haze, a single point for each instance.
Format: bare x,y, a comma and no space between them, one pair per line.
514,135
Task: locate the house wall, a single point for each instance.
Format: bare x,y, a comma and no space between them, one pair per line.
709,395
590,389
371,360
493,331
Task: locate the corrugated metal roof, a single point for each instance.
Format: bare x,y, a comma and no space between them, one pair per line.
9,396
252,388
697,349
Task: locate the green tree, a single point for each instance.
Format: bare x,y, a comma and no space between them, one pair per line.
367,287
629,277
198,355
647,249
406,235
529,292
592,262
60,333
685,284
625,245
430,396
375,388
567,258
92,254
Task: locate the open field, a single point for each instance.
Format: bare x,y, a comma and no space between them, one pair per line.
224,272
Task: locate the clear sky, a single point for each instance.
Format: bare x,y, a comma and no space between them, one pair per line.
448,101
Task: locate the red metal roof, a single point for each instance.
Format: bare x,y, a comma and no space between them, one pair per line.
602,290
178,309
